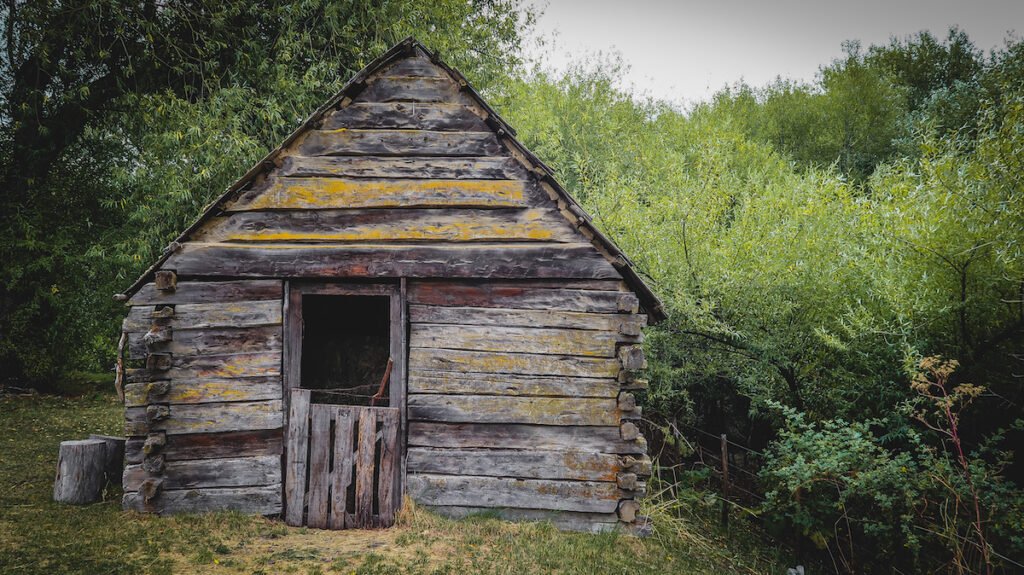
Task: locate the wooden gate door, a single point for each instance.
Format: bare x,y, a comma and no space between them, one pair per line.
342,465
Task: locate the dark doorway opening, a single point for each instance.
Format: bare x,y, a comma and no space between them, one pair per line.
345,348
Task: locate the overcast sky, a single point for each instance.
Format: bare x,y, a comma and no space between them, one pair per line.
686,50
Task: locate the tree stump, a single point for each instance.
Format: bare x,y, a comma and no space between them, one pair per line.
80,471
114,466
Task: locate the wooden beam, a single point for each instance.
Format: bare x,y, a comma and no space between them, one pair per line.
377,226
514,363
442,117
526,463
449,383
590,496
521,436
400,143
501,409
265,500
208,292
523,260
314,193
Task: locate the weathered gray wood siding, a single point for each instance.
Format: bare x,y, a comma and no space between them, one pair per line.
519,399
203,409
523,336
407,180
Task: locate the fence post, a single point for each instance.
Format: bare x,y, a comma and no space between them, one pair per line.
725,482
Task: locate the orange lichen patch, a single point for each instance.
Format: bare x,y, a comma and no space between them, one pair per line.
325,193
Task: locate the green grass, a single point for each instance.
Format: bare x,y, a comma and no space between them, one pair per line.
39,536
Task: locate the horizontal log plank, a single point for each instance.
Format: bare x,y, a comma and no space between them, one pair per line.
522,297
516,436
346,142
406,116
483,168
209,315
288,193
590,496
442,225
628,326
424,381
415,66
589,343
504,409
525,464
204,391
208,418
209,341
211,445
208,292
202,473
568,520
226,366
516,363
522,260
410,89
265,500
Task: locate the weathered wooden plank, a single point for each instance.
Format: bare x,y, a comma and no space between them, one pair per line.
415,66
423,381
265,500
209,292
502,409
203,391
207,418
406,116
209,315
410,89
347,142
627,325
443,225
341,475
287,193
297,455
589,343
520,260
211,341
516,363
589,496
211,445
452,168
203,473
568,520
365,467
387,493
319,466
525,464
227,366
521,297
513,436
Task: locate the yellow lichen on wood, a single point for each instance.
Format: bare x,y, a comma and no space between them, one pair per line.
326,193
529,226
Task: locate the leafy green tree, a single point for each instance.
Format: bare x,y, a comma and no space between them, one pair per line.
121,119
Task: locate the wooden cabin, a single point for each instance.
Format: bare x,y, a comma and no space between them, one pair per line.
399,300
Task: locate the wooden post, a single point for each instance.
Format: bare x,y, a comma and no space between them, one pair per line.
725,482
114,463
80,471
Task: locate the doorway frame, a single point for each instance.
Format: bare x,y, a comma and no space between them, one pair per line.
291,369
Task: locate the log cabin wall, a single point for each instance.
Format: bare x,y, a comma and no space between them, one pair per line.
524,322
520,400
203,411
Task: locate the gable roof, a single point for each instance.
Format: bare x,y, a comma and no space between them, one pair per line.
544,175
